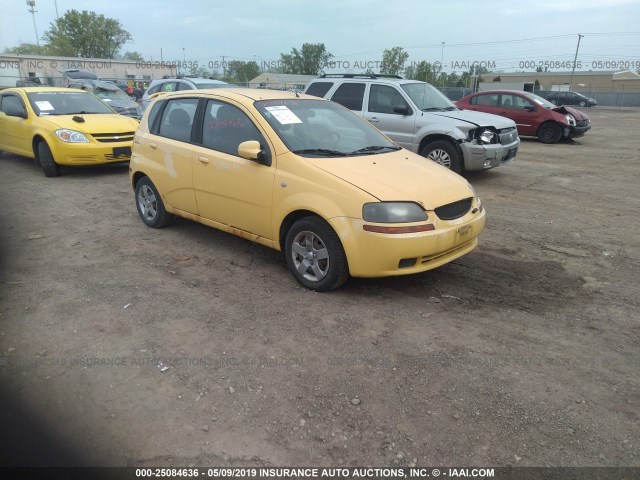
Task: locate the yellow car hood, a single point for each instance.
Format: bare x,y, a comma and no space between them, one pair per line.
399,176
94,123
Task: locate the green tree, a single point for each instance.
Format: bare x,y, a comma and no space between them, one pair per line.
86,34
28,49
309,60
132,56
423,70
393,60
240,71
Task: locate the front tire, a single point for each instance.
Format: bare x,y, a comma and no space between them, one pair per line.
582,103
150,206
443,153
549,132
46,160
315,255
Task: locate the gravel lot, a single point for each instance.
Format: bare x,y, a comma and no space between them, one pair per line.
524,352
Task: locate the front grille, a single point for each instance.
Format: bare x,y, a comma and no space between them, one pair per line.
511,154
114,137
508,135
121,158
582,123
454,210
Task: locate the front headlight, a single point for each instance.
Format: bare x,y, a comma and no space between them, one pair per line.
71,136
486,136
483,135
393,212
475,195
570,120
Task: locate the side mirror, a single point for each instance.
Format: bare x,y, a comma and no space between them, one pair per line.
402,109
530,108
251,150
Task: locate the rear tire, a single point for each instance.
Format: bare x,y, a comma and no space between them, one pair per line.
150,206
46,160
549,132
443,153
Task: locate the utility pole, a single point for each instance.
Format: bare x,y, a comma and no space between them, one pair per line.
574,62
442,65
224,66
32,8
56,4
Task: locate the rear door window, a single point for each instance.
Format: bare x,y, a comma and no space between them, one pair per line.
177,119
489,100
350,95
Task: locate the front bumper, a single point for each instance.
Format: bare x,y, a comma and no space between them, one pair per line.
380,255
483,157
92,153
576,131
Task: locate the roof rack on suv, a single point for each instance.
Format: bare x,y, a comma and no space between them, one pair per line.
358,75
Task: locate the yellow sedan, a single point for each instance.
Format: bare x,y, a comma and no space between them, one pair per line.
63,126
304,176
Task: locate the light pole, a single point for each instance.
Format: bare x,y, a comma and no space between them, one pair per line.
442,65
574,62
184,60
32,8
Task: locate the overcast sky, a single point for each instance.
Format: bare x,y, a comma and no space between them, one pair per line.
503,34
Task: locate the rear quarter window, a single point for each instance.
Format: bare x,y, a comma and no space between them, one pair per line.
319,89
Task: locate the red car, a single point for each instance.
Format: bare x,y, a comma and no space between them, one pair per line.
534,116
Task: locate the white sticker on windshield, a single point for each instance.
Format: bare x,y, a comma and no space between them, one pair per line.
283,114
106,99
44,105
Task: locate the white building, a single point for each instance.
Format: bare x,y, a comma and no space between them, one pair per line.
48,70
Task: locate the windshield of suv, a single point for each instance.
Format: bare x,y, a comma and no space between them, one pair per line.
66,103
318,128
427,97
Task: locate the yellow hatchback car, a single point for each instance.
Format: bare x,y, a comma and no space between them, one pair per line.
63,126
304,176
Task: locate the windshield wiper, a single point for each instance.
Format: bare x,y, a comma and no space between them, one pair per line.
374,148
431,109
320,151
452,108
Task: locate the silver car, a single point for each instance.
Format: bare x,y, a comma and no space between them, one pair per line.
420,118
112,95
175,84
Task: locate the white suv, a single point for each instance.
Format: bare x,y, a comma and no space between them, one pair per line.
420,118
175,84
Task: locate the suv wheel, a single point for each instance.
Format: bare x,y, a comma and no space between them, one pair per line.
443,153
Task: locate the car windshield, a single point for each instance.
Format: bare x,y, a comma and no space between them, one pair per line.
319,128
427,97
66,103
110,92
539,100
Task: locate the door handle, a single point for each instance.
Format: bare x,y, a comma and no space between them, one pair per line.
374,119
203,160
153,145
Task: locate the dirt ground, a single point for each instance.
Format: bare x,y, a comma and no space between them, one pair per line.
524,352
